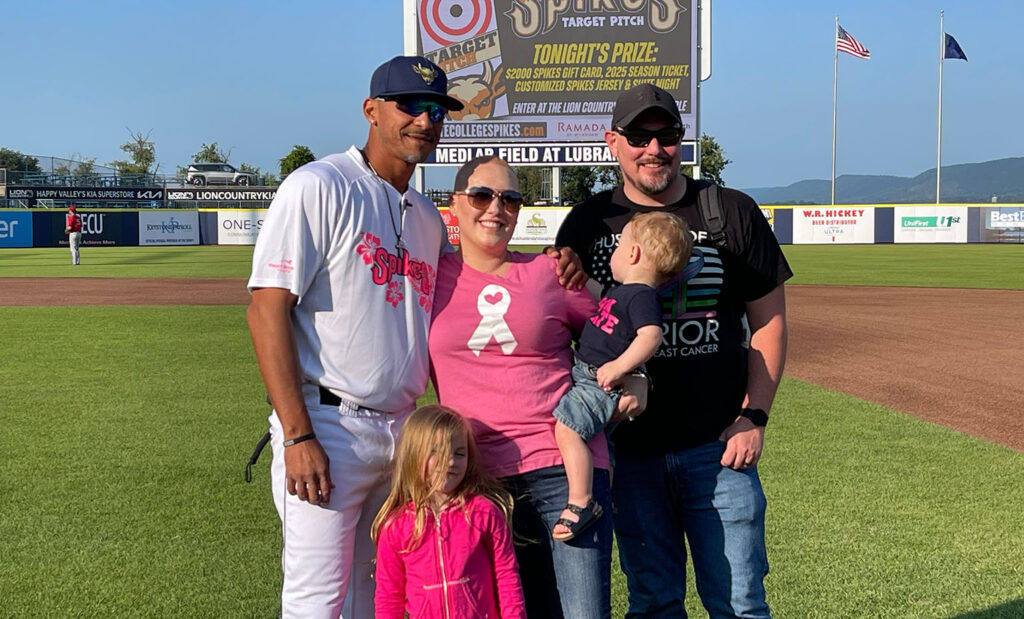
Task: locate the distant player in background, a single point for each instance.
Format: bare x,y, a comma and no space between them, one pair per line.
73,228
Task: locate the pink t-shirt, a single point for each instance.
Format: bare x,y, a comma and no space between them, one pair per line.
500,353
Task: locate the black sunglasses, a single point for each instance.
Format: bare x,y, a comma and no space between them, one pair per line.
481,198
414,106
640,138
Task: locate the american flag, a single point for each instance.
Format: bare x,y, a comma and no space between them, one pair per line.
848,44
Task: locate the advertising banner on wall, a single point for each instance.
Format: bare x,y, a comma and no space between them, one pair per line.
15,229
115,194
99,228
223,195
168,228
827,225
1002,224
536,226
930,224
239,227
540,70
540,153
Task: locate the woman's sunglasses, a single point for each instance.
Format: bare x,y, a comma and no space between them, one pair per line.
640,138
481,198
416,106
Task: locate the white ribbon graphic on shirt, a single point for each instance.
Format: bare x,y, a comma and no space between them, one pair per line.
492,304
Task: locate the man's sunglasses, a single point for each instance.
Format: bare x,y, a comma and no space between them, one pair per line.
415,106
481,198
640,138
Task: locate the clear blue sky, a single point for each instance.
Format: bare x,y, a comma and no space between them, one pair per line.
259,77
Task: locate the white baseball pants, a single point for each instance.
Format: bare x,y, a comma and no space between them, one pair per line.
328,556
74,240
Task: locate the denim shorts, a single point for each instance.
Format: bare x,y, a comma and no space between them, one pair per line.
586,408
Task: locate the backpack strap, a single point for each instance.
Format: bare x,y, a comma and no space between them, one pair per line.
709,203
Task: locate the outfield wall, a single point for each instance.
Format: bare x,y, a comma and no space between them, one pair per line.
801,225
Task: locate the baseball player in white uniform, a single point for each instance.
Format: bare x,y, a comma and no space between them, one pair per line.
342,289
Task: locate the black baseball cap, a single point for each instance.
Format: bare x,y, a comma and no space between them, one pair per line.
412,76
638,100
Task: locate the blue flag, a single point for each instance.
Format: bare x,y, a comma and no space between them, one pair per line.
953,49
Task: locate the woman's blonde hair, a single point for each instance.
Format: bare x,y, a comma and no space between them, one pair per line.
428,431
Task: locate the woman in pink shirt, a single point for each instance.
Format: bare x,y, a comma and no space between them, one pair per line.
500,350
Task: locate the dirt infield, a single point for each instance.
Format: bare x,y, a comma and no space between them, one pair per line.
950,356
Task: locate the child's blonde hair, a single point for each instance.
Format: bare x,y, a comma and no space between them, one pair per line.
428,431
666,240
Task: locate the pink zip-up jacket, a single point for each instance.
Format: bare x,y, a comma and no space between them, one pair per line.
463,567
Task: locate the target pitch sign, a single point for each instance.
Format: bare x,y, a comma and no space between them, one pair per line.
546,71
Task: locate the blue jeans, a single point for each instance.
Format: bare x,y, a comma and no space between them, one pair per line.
720,511
560,579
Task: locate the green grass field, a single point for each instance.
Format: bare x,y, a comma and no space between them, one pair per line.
949,266
126,429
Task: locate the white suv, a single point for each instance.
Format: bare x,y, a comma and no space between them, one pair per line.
218,174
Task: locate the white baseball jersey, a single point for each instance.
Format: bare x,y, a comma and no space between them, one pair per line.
364,307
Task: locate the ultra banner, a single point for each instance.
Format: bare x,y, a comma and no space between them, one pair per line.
551,70
833,224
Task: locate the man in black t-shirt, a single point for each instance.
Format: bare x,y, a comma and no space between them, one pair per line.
688,466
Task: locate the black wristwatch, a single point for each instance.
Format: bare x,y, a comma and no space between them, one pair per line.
757,416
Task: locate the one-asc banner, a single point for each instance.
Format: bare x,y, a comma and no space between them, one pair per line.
930,224
551,70
826,225
239,227
168,228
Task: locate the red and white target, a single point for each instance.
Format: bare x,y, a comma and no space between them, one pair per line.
449,21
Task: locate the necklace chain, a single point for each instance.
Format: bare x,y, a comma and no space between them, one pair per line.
397,228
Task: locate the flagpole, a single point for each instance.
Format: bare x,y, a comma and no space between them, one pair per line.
938,151
835,91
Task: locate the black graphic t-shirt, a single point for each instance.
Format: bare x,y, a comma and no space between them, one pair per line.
609,332
700,371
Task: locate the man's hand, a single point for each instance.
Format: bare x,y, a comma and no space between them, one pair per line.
307,469
744,442
569,270
633,400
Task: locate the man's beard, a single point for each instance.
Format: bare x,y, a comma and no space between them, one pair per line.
653,187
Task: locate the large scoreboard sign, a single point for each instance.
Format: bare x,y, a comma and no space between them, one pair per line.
550,70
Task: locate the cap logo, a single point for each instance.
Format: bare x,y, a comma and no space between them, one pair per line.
428,74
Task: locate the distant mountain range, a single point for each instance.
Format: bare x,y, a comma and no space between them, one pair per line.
1002,179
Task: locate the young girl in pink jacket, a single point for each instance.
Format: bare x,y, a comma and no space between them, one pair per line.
444,545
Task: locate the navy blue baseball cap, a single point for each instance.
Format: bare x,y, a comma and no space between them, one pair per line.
412,76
